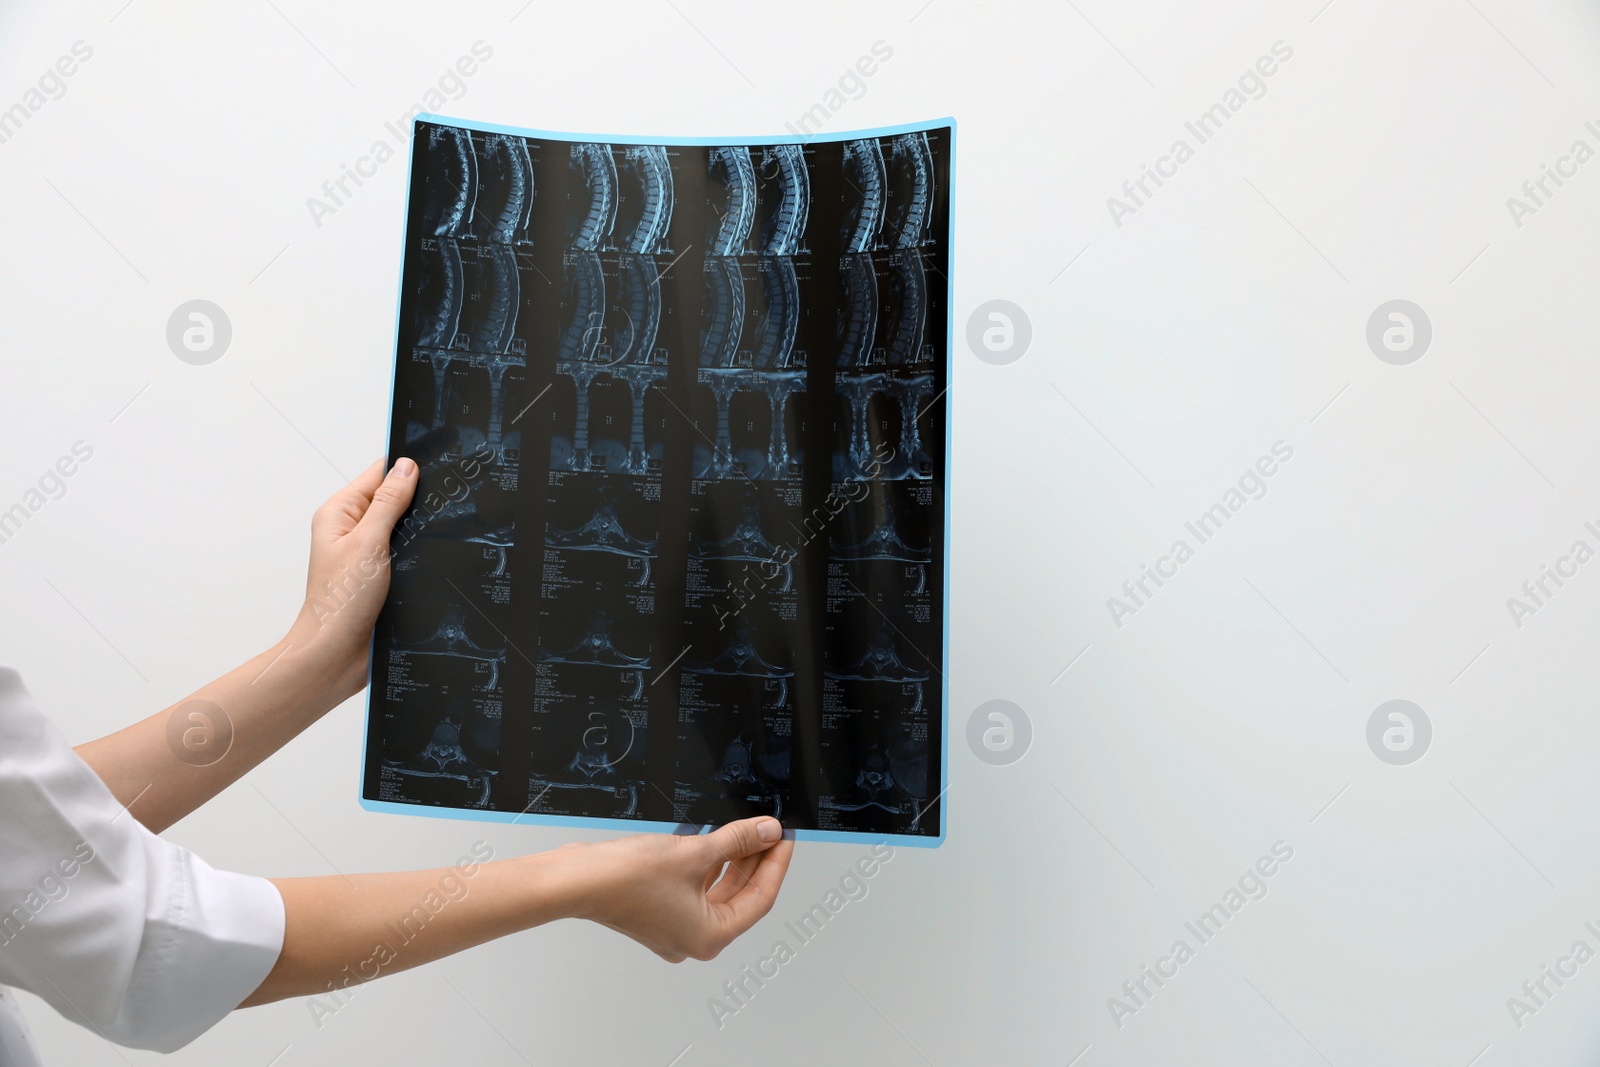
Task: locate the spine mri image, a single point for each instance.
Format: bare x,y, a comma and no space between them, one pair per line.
677,555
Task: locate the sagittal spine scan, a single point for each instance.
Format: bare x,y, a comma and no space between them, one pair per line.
677,556
865,174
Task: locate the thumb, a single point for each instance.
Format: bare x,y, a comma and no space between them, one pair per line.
745,837
391,499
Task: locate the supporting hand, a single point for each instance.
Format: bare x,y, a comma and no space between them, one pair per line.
255,709
663,890
348,577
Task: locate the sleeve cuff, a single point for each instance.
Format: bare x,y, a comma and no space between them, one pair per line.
210,940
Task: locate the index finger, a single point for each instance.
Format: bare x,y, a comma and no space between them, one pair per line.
345,507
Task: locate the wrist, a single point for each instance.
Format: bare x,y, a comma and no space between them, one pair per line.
329,635
336,663
580,882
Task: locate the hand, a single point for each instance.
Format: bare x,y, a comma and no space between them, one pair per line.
348,577
663,890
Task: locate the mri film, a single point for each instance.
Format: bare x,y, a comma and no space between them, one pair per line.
678,555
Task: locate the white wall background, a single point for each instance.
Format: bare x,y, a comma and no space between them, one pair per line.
1167,355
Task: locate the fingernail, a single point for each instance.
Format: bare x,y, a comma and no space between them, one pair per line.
769,830
404,467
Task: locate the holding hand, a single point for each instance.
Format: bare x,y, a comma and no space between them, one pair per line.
253,710
348,577
663,890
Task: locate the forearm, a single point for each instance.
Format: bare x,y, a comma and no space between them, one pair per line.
661,890
167,765
341,932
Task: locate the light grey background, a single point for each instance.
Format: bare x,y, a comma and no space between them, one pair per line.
1167,355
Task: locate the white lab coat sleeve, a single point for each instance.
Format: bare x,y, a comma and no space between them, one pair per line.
115,928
